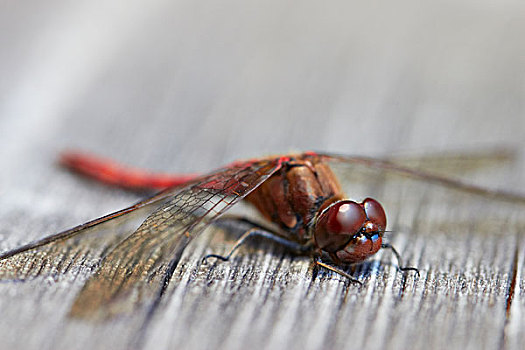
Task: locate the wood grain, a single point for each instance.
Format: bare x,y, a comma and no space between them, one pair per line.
189,86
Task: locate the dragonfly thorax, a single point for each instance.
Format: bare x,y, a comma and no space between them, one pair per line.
294,196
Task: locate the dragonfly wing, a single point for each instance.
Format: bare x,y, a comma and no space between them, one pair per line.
376,171
77,249
459,163
136,272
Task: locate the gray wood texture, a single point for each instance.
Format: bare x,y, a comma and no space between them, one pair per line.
188,86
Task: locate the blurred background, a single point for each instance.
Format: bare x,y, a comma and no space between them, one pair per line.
191,85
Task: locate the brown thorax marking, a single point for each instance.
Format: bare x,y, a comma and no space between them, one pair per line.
293,196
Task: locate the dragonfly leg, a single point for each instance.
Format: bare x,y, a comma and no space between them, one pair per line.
336,270
399,260
236,246
258,230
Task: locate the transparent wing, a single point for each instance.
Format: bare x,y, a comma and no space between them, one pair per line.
452,164
134,273
78,249
378,174
129,254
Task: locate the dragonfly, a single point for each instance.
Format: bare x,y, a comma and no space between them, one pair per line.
131,254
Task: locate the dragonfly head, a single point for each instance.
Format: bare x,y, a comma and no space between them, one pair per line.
350,230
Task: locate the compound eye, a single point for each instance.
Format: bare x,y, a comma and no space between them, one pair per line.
338,223
375,213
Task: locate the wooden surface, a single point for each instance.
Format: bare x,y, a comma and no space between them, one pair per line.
189,86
